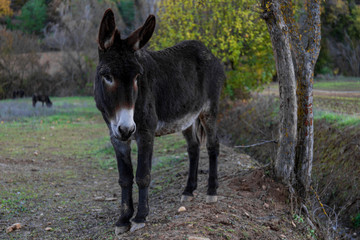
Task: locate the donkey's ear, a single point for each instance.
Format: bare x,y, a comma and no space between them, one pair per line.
107,30
143,34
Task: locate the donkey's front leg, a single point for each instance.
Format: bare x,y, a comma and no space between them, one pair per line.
145,149
126,176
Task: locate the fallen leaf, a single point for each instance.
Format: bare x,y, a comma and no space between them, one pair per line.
48,229
182,209
13,227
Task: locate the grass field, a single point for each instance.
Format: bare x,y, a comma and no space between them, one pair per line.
48,154
59,180
334,99
338,84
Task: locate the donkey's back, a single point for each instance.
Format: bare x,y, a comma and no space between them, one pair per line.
188,76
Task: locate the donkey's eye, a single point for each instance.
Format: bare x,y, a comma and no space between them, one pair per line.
108,79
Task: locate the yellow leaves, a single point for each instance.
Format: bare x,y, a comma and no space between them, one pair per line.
5,9
231,29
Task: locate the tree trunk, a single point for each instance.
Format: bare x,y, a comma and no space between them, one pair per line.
306,56
284,162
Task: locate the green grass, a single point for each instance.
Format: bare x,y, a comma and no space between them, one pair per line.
57,159
17,200
338,84
338,119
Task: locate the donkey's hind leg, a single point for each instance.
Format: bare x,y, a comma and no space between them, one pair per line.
193,148
208,120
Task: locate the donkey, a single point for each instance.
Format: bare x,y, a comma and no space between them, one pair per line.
41,98
142,94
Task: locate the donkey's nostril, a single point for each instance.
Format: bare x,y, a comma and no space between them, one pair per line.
121,131
125,132
132,130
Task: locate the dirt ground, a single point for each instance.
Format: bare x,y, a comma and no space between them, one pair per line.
81,202
58,179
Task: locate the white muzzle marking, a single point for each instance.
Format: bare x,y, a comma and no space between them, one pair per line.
124,119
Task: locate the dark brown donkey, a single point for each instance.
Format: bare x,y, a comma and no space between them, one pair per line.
142,94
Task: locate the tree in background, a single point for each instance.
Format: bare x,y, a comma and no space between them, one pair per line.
33,16
5,9
19,64
296,44
74,36
340,49
231,29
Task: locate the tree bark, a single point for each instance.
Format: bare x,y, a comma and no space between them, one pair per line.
284,162
306,56
305,48
305,41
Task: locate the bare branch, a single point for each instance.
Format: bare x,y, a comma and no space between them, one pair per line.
257,144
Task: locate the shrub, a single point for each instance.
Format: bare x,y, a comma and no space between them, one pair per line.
231,29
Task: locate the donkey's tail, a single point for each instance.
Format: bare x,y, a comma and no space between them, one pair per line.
199,131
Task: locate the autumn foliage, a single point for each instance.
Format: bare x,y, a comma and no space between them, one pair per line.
231,29
5,9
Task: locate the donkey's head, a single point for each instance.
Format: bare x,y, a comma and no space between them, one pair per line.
117,74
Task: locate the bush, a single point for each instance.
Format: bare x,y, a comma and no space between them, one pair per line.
231,29
19,64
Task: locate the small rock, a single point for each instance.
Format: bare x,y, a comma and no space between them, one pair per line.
197,238
13,227
266,205
247,214
282,236
57,194
36,153
182,209
48,229
263,187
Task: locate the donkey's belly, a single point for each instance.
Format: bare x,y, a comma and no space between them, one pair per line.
177,125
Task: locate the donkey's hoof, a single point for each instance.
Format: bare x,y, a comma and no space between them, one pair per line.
136,226
121,230
186,198
211,198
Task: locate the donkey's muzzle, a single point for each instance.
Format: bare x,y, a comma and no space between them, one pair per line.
125,132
